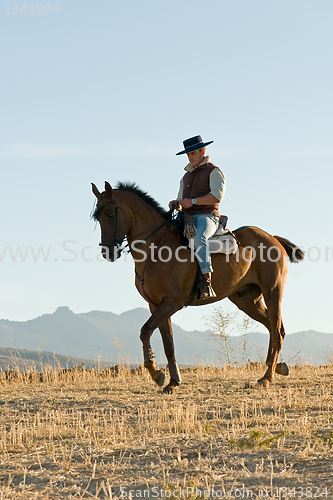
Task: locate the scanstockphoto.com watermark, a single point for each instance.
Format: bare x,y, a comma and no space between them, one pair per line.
183,492
180,492
71,251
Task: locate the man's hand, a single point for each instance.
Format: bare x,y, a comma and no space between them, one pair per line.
175,205
186,203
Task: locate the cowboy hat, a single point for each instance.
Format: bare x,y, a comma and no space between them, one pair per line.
192,144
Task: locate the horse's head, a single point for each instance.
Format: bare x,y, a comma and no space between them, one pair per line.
107,214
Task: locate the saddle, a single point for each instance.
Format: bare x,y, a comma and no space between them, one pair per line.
223,241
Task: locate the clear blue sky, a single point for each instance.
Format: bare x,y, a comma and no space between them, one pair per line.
109,90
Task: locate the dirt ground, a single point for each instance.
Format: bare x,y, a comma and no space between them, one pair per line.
90,434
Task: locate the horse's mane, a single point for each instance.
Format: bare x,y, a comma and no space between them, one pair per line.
133,188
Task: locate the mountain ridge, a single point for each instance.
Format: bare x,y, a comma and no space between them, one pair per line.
106,336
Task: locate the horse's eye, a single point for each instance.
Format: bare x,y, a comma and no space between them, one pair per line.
111,215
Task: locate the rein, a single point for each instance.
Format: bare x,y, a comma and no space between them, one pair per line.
155,230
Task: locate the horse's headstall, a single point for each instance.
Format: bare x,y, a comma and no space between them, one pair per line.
98,210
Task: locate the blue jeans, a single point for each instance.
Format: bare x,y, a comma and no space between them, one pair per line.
206,225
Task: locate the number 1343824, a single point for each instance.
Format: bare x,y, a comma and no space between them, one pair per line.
29,8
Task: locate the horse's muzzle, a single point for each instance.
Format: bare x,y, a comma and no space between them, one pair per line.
110,253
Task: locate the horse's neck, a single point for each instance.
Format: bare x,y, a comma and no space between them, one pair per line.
144,218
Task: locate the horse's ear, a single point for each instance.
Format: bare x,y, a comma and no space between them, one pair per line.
95,190
108,188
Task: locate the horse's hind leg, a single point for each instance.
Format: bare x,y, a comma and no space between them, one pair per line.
277,333
160,316
251,303
281,368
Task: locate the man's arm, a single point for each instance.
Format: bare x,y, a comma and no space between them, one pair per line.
175,203
181,188
208,199
217,186
217,181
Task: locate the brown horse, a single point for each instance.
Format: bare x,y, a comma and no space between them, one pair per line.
165,272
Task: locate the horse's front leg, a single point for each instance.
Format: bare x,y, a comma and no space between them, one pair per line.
160,316
169,349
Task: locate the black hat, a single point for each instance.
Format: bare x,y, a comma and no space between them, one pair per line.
192,144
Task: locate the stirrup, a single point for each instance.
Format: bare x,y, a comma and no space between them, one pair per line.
205,290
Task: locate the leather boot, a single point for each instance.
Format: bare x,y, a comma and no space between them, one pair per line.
205,290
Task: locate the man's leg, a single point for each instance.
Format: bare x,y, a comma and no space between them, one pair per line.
206,225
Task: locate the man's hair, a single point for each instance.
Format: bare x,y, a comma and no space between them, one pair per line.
202,150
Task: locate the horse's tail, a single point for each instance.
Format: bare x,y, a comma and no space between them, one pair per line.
295,254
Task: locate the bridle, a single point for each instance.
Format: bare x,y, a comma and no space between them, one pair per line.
117,242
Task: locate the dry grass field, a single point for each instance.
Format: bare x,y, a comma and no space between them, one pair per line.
86,434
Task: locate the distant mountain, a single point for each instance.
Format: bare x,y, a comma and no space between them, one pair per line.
99,335
23,361
108,337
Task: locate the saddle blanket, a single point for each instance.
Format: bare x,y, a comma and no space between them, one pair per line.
223,241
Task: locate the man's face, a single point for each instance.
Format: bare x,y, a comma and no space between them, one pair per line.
195,157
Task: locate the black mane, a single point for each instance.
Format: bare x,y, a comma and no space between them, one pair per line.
133,188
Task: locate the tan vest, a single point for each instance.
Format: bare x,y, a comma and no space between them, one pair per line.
196,184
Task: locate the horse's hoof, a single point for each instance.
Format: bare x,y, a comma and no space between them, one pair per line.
263,382
169,389
282,369
160,378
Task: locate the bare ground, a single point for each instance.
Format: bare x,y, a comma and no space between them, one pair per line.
85,434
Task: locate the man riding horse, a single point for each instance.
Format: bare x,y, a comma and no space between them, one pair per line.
200,192
253,278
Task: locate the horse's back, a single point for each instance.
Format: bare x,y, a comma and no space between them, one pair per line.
252,236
